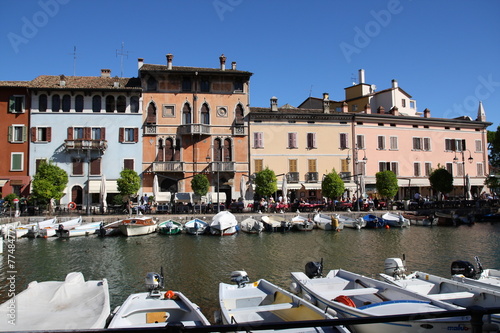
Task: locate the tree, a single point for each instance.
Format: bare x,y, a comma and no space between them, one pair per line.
494,148
332,186
265,182
441,180
387,184
128,184
200,184
48,182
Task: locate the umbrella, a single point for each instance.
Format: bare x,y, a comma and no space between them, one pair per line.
103,194
468,187
362,186
156,188
243,187
284,189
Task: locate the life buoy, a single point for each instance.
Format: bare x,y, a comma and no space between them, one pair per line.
72,205
170,294
345,300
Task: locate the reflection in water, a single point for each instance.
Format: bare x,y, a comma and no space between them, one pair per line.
196,264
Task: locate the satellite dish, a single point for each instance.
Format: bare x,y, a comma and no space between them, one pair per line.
374,87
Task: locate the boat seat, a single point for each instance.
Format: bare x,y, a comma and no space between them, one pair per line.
348,292
260,308
447,296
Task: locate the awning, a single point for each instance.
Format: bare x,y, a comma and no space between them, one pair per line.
3,182
306,186
212,197
183,197
163,197
111,186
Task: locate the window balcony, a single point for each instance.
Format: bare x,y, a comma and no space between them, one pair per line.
222,167
345,176
199,129
239,130
293,177
311,177
170,166
86,145
149,129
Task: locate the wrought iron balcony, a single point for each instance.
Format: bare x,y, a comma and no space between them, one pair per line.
200,129
169,166
311,177
222,166
85,145
345,176
293,177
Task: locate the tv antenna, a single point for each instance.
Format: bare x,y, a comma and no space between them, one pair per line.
121,53
74,60
310,90
353,79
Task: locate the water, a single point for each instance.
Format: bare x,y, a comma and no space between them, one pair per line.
196,264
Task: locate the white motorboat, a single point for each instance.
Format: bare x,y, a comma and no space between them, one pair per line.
356,296
72,304
302,223
35,230
251,304
224,224
137,226
396,220
196,227
84,229
421,220
157,308
327,223
251,226
439,288
7,228
272,224
50,231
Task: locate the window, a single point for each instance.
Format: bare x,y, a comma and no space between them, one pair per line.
449,168
403,102
417,143
77,167
239,114
66,103
258,140
479,146
428,169
42,103
311,165
95,167
110,103
427,144
121,104
128,163
460,170
168,111
16,104
344,165
344,143
205,115
186,84
96,133
311,140
128,135
354,108
38,161
134,104
17,133
360,141
205,85
186,114
480,169
393,142
151,115
292,165
238,85
16,161
392,166
381,142
79,103
78,133
96,103
259,165
41,134
416,169
292,140
56,103
455,144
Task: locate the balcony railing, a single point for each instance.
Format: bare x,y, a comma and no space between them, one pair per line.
200,129
149,129
170,166
239,130
293,177
345,176
223,166
86,144
311,177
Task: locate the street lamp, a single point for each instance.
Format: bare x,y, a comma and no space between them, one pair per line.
357,172
470,159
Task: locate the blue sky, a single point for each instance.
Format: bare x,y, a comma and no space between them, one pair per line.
443,53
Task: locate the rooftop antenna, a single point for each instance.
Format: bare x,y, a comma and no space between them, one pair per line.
74,60
353,78
310,90
121,53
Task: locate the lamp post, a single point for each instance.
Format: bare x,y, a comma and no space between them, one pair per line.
357,171
470,159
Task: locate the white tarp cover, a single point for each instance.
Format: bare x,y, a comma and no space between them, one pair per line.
183,197
163,197
213,197
72,304
223,220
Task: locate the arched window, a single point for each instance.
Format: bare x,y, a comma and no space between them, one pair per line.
96,103
151,117
186,114
205,114
42,103
177,150
79,103
134,104
239,114
110,103
169,150
227,150
152,84
56,103
160,153
66,103
217,150
121,104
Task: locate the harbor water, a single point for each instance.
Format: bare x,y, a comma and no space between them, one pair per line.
196,265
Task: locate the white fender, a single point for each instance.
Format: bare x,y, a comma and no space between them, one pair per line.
309,298
295,288
331,312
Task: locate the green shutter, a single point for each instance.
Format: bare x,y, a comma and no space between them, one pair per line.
17,160
25,134
11,131
12,104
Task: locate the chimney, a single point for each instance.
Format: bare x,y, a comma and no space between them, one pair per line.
394,83
62,80
233,65
274,103
326,103
105,72
140,62
222,59
116,83
368,109
381,110
361,74
170,57
395,111
427,113
481,115
345,107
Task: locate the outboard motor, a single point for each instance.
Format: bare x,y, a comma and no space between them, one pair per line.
465,268
240,278
154,282
394,267
314,269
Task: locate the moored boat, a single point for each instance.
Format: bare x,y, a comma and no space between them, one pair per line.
137,226
465,272
157,308
224,224
421,220
50,231
84,229
7,228
375,222
110,229
196,226
169,227
72,304
396,220
273,224
32,230
251,226
351,222
302,223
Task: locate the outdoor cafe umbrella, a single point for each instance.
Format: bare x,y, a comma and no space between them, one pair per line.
156,187
243,187
103,194
362,186
468,187
284,189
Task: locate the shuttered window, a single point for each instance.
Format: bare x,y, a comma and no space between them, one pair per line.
311,140
292,140
344,143
292,165
128,164
311,165
381,142
258,165
16,161
95,166
77,167
258,140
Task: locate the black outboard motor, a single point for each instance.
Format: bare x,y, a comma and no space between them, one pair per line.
465,268
314,269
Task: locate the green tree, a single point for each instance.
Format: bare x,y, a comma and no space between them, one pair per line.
441,180
128,184
48,182
332,186
266,182
387,184
200,184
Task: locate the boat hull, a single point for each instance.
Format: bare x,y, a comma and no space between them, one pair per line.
136,230
170,228
196,227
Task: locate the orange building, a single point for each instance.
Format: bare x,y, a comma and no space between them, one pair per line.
195,121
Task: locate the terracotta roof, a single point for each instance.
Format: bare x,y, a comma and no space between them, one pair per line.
85,82
21,84
182,69
286,110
